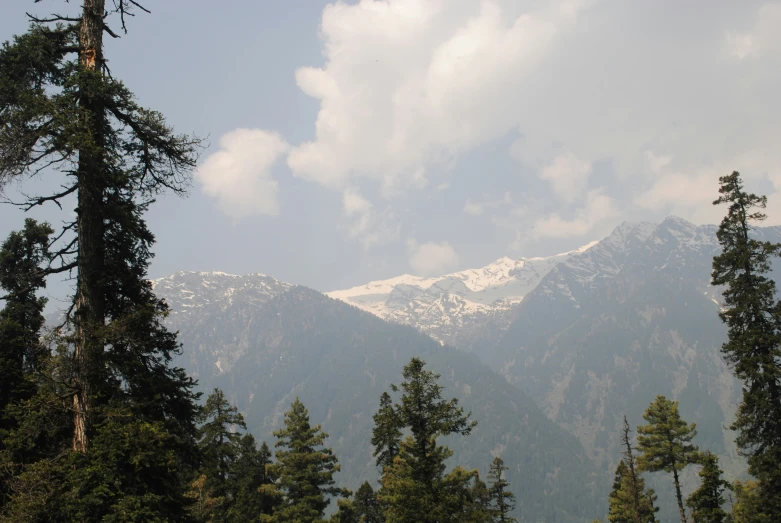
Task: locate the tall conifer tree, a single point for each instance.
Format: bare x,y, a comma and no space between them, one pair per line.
22,258
642,508
305,470
250,475
666,444
706,501
219,444
61,115
367,508
753,347
502,500
623,508
415,487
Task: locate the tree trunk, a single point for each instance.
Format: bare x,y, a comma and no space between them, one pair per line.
678,495
89,310
630,458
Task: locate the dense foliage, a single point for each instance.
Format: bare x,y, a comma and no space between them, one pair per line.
707,501
102,428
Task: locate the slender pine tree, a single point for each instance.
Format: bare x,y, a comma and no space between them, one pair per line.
386,436
665,443
502,500
753,347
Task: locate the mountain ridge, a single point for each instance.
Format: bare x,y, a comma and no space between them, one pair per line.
453,307
338,359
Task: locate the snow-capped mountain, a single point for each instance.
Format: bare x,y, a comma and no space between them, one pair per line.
590,335
195,298
266,343
605,332
454,307
186,292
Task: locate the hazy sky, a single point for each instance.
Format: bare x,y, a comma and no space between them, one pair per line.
353,141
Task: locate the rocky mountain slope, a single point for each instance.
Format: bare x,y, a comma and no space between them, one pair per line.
601,332
265,343
455,308
196,298
635,316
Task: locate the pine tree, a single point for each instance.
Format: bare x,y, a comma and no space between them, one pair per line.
22,257
665,443
502,500
204,502
747,507
463,498
415,487
386,436
620,507
753,347
219,444
706,501
478,503
623,508
133,413
642,508
305,470
367,507
345,512
250,474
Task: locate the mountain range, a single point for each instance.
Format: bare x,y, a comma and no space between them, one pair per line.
265,343
548,352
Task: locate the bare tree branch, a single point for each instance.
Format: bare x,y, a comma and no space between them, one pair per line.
54,18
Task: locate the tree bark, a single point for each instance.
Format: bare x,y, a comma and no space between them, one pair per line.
89,310
678,495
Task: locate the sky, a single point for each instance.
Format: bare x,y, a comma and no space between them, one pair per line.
355,141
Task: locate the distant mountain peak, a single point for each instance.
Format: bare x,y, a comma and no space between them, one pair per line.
447,306
188,290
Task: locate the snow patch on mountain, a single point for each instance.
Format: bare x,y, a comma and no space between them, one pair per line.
186,291
451,306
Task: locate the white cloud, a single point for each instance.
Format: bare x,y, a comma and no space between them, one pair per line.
739,45
764,37
238,174
409,86
691,194
567,175
599,209
679,190
657,163
413,83
431,258
477,208
368,224
361,212
473,208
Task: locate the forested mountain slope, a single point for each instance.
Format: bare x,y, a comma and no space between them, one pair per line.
338,360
